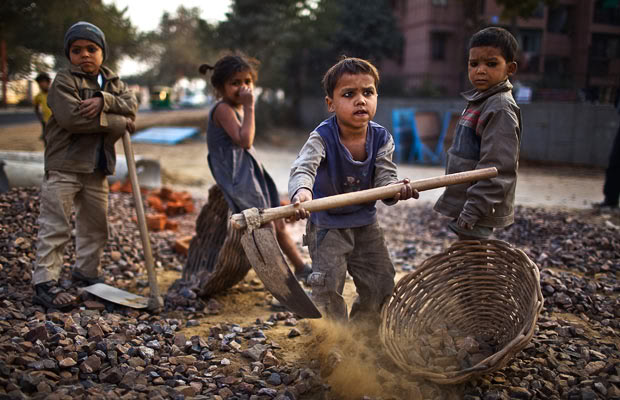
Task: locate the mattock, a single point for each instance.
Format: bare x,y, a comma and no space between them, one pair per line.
267,259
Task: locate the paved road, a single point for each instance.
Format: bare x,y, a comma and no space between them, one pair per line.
17,116
20,115
540,186
548,186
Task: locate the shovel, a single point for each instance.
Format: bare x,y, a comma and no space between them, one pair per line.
267,259
118,296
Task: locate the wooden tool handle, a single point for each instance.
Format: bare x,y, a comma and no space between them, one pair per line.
366,196
155,301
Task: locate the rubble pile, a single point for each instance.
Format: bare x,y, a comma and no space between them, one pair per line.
101,350
448,350
575,352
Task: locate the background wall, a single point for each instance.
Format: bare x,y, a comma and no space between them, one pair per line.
567,133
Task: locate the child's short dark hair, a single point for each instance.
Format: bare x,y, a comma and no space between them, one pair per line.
496,37
347,65
229,65
43,76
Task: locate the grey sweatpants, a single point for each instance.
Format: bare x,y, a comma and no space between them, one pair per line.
363,253
59,192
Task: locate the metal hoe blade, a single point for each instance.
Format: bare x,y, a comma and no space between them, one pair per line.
118,296
267,259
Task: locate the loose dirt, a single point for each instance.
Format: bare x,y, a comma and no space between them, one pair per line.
350,365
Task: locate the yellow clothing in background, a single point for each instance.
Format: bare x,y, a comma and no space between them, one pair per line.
41,99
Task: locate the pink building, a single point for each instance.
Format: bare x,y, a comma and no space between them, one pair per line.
569,49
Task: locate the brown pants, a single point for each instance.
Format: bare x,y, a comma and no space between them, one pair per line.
59,192
363,253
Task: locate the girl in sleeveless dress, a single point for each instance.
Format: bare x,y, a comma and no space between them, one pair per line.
232,158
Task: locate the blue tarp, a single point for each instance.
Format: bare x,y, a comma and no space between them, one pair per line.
165,134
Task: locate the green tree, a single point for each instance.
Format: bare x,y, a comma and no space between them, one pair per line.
297,40
269,30
34,27
511,10
177,47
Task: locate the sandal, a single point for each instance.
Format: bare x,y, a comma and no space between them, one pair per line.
47,292
78,276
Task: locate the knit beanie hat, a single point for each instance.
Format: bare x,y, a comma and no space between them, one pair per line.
87,31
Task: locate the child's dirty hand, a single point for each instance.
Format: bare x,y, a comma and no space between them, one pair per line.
406,192
464,224
301,196
246,96
131,125
90,108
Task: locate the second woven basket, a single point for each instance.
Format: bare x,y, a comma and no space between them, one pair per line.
476,296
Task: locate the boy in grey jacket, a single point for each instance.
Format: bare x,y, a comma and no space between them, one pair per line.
91,109
487,135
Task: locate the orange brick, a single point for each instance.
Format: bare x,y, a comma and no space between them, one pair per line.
165,193
188,206
180,196
181,245
185,196
155,203
174,196
171,225
174,208
126,187
156,222
115,187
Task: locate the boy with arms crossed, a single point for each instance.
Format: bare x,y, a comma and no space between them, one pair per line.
91,109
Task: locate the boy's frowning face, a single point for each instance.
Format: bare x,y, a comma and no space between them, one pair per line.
487,67
87,55
354,102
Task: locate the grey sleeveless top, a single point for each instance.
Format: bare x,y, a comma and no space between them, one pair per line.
242,178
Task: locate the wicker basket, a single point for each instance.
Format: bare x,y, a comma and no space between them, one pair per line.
480,288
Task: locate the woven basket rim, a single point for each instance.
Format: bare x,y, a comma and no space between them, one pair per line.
494,361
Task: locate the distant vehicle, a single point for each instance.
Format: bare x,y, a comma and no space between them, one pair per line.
160,97
193,99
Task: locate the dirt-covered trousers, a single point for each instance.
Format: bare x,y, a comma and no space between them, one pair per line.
360,251
59,192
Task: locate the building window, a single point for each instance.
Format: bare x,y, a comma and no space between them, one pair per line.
561,20
603,49
529,43
399,6
606,12
442,3
557,67
529,40
605,46
539,11
438,46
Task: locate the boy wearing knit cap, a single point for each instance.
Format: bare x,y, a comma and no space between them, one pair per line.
91,109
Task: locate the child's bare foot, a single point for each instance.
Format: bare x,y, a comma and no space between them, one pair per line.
50,295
